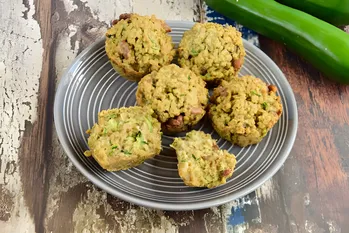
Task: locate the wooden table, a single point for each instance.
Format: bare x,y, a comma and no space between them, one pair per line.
40,190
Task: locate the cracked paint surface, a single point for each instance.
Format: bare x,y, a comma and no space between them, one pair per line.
78,24
95,214
93,209
20,67
73,204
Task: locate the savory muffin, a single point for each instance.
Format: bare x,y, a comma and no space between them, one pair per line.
200,161
177,96
124,138
137,45
213,51
244,109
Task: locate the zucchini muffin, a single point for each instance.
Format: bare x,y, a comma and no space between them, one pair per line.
177,96
213,51
244,109
200,161
137,45
124,138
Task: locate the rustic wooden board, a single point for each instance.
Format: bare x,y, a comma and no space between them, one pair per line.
312,189
42,192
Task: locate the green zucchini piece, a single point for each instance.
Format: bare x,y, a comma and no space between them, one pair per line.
335,12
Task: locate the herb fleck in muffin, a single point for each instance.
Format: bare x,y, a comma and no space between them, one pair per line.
124,138
137,45
177,96
200,161
244,109
213,51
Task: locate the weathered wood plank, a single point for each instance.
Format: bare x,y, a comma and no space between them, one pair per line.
74,205
36,141
21,63
312,188
42,192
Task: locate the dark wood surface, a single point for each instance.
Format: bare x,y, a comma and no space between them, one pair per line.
312,188
309,194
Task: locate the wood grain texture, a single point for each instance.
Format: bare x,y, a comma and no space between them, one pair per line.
73,204
20,67
36,141
41,191
311,190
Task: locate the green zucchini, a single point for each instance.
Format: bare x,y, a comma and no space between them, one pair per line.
335,12
322,44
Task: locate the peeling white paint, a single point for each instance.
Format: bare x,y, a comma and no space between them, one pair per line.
238,228
311,227
164,9
135,219
167,226
64,177
64,54
85,217
241,203
167,9
266,191
216,211
20,68
333,227
206,222
213,221
226,211
108,10
69,5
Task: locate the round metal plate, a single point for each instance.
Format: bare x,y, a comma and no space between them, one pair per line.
91,85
